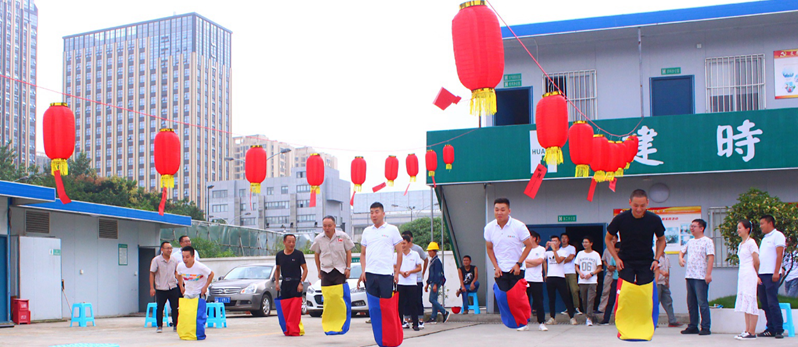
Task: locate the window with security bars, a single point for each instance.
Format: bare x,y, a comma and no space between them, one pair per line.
579,87
735,83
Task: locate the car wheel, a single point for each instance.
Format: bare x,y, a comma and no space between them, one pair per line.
315,314
265,306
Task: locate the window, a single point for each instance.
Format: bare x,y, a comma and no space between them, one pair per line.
219,208
242,193
306,218
277,220
217,194
276,205
248,221
735,83
579,87
302,188
284,190
269,190
300,174
303,203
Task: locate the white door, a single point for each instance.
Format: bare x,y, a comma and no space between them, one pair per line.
40,276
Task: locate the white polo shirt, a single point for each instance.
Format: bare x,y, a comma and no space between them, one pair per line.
508,242
767,251
535,273
380,246
569,267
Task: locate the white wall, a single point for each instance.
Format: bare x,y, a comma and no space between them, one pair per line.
4,216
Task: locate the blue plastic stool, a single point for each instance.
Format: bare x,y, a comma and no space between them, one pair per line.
81,316
216,315
788,326
474,306
152,310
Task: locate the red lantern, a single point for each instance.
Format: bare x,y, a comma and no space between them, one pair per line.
431,159
59,142
580,139
448,156
358,172
478,54
391,169
167,160
315,172
551,121
255,167
617,157
600,158
411,163
632,143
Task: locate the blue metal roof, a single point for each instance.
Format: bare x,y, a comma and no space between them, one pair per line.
26,193
653,18
113,212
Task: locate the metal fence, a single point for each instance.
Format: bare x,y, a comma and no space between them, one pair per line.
579,87
242,241
722,251
735,83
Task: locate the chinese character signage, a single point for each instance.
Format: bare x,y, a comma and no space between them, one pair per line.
712,142
785,66
677,224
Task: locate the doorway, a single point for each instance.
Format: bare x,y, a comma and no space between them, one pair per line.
4,292
513,106
672,95
146,254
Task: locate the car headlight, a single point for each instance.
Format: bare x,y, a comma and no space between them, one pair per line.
250,289
311,290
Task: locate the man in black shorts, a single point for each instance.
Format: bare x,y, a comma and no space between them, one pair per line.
291,264
635,229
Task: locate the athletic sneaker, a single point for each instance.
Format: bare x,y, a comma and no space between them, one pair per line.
421,325
405,325
604,323
745,336
542,327
368,321
551,321
446,317
573,321
159,330
578,312
415,328
523,328
589,322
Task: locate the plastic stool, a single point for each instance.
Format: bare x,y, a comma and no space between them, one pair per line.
81,316
474,306
152,310
788,326
216,315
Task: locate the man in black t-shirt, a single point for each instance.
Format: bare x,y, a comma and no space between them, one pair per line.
635,229
291,264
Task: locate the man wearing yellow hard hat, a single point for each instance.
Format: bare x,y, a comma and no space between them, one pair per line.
436,279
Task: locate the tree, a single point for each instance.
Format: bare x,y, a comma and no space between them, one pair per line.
10,171
751,206
420,229
207,248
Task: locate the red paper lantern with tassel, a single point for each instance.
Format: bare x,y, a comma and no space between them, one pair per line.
580,147
551,121
255,167
59,142
448,156
358,172
391,169
600,158
431,159
631,143
167,160
315,176
478,54
411,163
617,158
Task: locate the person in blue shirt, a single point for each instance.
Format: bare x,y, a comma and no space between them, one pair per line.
436,279
613,288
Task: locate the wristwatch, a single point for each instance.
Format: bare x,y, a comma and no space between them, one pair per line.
519,263
348,268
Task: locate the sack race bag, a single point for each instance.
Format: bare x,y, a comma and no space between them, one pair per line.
337,312
385,322
289,314
513,305
192,315
636,311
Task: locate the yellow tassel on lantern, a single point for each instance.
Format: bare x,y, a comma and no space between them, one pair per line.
431,173
619,173
317,188
412,178
59,165
627,166
553,156
448,166
609,176
390,183
582,171
254,188
483,102
357,187
599,176
167,181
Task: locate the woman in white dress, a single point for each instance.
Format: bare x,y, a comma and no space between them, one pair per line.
747,280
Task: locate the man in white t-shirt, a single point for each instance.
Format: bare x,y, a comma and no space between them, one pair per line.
177,252
534,277
378,244
588,266
555,279
407,284
194,277
789,268
771,255
570,274
700,253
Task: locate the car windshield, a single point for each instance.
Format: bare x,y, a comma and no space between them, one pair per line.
249,272
355,272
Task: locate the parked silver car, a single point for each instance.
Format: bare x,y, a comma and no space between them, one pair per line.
315,301
247,288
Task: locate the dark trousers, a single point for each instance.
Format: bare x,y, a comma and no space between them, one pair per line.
465,294
380,286
535,294
610,309
508,280
288,289
697,292
556,285
173,295
637,272
767,292
332,278
420,298
408,303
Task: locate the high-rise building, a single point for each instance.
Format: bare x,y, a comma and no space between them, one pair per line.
132,80
285,156
19,25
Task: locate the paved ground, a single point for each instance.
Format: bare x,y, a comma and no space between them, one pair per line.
249,331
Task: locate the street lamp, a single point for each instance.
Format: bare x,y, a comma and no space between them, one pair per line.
411,208
208,202
282,151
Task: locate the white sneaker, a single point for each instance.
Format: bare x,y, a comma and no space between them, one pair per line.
573,321
589,322
542,327
578,312
421,324
523,328
405,325
551,321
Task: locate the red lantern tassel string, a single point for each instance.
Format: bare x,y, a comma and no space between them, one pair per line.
352,200
591,191
162,206
250,199
313,197
59,186
406,189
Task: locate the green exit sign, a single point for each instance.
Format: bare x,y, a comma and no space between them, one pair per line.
512,80
55,252
671,70
566,218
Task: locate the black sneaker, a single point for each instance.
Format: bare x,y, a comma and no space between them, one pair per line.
690,330
415,328
766,333
704,332
446,317
778,335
